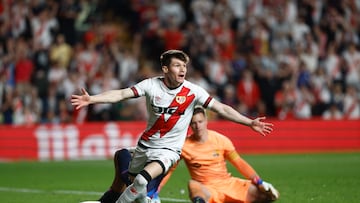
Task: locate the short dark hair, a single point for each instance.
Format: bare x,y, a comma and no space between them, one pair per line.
199,109
166,57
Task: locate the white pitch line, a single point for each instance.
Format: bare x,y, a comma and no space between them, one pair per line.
73,192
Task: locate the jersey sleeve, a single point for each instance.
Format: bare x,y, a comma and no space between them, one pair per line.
204,98
142,87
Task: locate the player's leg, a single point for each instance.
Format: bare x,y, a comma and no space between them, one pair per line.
198,192
231,189
121,180
138,189
156,161
153,186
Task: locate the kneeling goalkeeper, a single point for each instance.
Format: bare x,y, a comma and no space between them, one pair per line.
205,153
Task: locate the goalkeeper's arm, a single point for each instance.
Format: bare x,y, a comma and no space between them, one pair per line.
241,165
248,172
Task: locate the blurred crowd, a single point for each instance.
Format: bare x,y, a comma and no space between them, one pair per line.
286,59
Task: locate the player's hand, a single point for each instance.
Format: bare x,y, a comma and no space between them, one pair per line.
261,127
80,101
269,190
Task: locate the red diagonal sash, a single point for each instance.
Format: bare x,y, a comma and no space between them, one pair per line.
182,100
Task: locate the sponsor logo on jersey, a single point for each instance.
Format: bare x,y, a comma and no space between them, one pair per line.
165,110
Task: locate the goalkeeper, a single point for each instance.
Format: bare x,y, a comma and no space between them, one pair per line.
205,153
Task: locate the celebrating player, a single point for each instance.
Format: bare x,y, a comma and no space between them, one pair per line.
170,101
205,153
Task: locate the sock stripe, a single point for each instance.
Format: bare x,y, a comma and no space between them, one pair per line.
146,175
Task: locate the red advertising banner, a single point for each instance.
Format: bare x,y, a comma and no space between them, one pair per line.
101,140
67,142
296,136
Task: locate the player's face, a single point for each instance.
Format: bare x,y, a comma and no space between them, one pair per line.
175,73
198,124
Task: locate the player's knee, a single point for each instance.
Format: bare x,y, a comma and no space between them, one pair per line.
197,190
142,179
121,160
121,155
194,185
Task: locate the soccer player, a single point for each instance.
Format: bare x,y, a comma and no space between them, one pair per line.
205,153
170,101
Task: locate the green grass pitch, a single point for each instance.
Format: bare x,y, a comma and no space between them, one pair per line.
300,178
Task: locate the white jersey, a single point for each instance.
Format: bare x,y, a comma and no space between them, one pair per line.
170,111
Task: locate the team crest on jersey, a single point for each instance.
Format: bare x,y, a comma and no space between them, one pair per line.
216,153
180,99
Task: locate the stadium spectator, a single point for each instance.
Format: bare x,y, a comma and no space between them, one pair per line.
280,29
217,70
61,52
171,9
309,53
337,95
7,107
44,26
67,14
127,64
197,77
285,99
172,35
299,29
303,102
88,60
67,88
24,65
57,73
320,88
352,58
248,91
332,113
104,82
351,103
19,22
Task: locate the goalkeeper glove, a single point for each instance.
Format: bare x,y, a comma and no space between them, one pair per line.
266,188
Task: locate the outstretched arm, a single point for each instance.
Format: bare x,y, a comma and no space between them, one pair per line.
231,114
241,165
248,172
111,96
